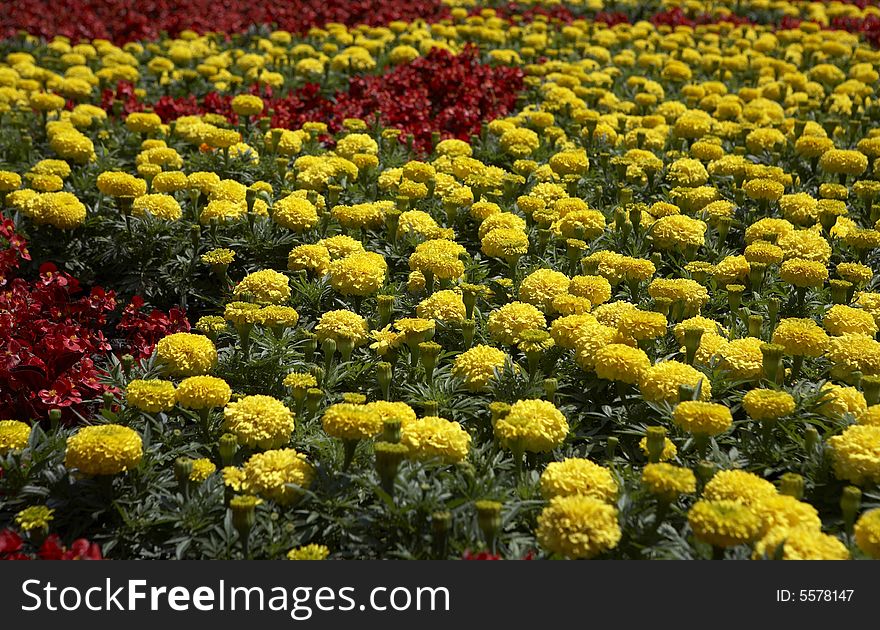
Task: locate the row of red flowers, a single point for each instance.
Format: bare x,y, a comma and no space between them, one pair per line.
450,94
51,332
128,20
12,547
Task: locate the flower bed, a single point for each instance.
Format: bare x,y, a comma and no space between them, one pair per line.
512,281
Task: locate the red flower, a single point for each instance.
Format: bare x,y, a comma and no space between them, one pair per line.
81,549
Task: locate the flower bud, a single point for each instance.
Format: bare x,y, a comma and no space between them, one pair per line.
489,520
871,389
840,291
384,376
850,504
756,275
692,338
353,398
734,296
611,447
468,330
243,517
550,387
388,458
314,396
441,523
391,431
772,361
183,467
792,484
705,471
428,353
228,446
686,392
498,410
386,309
662,305
309,346
756,324
430,408
656,442
346,347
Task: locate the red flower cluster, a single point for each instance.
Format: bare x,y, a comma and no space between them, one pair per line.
128,20
450,94
51,334
12,548
48,337
144,330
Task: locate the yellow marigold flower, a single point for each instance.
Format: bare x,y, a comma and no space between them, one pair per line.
59,209
186,354
642,325
855,272
312,551
870,416
846,320
661,382
202,469
163,207
169,182
804,542
219,256
856,454
739,486
783,511
691,292
519,142
341,246
295,213
362,215
453,148
342,324
45,182
203,392
36,517
532,425
443,306
763,189
578,527
836,401
351,422
541,286
314,258
767,404
667,481
247,105
259,421
687,172
867,533
678,231
505,243
619,362
764,229
843,162
9,181
143,122
118,184
14,436
300,380
743,357
706,325
575,476
587,339
45,102
731,270
152,395
801,337
392,411
723,523
507,323
702,418
763,252
806,244
799,208
596,289
359,274
435,438
106,449
265,287
803,273
279,475
477,365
